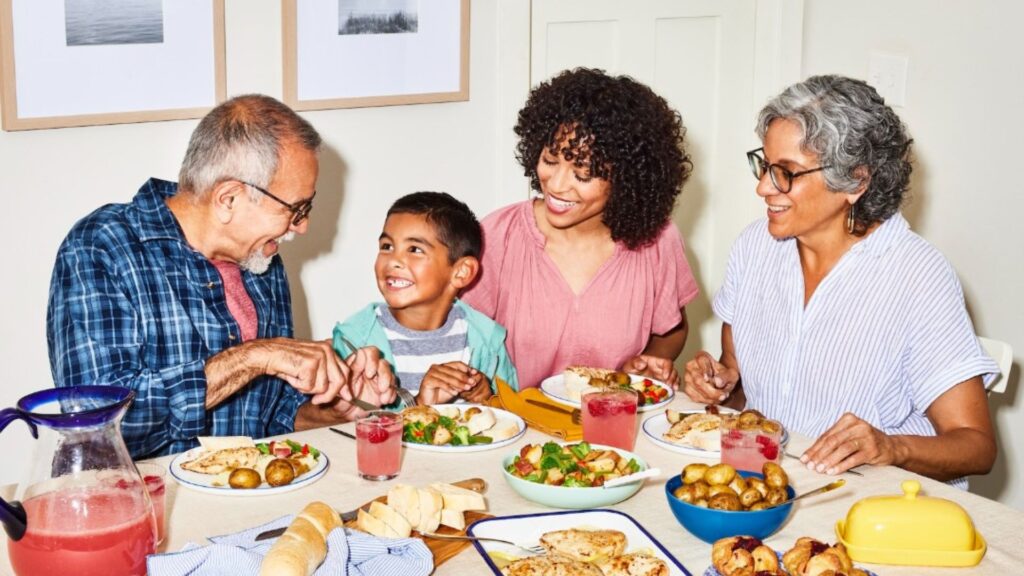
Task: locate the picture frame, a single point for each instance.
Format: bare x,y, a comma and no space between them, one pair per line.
360,53
85,62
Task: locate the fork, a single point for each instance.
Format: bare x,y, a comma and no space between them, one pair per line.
404,395
574,414
536,549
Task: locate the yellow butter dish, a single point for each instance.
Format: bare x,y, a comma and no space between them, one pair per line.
910,529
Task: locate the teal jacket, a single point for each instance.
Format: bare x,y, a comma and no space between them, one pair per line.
485,337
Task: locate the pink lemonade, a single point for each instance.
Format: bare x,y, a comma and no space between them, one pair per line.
749,448
609,417
157,493
115,537
379,445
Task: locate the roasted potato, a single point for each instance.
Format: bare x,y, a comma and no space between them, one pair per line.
279,472
700,490
775,476
775,496
685,493
716,489
619,378
759,505
720,474
244,478
749,497
739,484
725,501
758,484
694,473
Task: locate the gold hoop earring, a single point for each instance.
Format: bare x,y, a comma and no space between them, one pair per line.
851,222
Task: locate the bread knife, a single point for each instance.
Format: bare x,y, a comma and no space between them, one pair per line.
474,484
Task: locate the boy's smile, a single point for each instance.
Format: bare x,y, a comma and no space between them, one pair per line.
414,273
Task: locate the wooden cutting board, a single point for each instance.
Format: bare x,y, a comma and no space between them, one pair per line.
444,550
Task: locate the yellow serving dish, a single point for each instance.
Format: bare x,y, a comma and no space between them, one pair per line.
910,530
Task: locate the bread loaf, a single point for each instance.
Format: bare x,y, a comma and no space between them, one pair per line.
303,547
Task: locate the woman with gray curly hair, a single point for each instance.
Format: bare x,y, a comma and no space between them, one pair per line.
848,327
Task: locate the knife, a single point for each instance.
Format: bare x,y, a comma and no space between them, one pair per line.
474,484
540,404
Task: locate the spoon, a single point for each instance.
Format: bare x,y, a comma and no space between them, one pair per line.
629,479
826,488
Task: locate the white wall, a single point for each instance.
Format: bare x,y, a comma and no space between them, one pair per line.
965,111
51,178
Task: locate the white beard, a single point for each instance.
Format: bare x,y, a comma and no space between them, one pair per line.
257,263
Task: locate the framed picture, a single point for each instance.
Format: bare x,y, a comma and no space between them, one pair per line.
351,53
86,62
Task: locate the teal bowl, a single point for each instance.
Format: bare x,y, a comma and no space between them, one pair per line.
573,497
712,525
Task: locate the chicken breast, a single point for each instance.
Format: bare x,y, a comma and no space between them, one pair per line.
424,414
636,564
223,460
699,430
550,566
585,545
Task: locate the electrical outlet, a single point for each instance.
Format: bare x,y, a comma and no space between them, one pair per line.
888,74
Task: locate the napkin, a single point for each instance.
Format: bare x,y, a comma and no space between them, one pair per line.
349,553
549,422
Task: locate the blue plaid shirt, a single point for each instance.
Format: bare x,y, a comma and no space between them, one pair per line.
133,305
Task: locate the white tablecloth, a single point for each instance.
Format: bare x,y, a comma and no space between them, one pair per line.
193,516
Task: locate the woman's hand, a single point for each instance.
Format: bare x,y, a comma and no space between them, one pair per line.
443,382
848,443
653,367
708,381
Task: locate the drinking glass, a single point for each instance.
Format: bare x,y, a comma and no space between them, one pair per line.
747,445
153,475
609,417
379,445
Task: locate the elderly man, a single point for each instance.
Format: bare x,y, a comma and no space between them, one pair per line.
179,294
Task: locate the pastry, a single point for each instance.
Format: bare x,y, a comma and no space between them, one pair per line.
303,547
743,556
810,557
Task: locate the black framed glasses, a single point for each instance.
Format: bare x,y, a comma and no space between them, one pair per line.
300,210
781,177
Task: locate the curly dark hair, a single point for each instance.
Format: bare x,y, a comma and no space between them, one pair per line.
622,132
851,128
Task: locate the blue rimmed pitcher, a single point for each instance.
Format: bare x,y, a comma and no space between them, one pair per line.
83,508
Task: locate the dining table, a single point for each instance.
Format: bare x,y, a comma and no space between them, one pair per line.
193,516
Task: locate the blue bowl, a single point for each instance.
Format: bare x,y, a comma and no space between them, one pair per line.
711,525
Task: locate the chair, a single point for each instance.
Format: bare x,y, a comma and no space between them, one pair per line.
1002,353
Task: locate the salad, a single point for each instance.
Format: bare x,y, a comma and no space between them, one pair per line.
428,425
571,465
287,449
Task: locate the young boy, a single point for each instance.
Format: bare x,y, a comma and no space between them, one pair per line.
439,347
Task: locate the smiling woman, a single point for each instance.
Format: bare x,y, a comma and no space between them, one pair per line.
592,272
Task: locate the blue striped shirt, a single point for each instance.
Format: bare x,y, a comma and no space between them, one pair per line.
415,351
133,305
884,334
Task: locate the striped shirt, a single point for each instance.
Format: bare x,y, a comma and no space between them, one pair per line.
884,334
415,351
133,305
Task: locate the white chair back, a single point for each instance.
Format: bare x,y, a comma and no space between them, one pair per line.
1002,353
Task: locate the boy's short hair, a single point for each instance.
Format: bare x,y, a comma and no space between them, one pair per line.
455,224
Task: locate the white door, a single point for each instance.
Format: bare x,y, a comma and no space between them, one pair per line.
703,57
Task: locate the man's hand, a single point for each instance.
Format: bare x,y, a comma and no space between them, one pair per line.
443,382
653,367
370,379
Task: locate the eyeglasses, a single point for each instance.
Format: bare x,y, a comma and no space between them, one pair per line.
781,177
300,210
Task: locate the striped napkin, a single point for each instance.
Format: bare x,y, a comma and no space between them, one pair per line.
550,422
349,553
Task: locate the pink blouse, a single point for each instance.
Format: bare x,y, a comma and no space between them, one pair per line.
634,294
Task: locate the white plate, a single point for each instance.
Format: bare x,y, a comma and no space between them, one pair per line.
500,417
201,482
554,387
526,529
655,426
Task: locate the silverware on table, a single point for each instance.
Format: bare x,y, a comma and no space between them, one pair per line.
536,549
574,414
820,490
850,471
404,395
343,433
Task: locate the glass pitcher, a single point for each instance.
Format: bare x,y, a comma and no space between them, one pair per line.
83,508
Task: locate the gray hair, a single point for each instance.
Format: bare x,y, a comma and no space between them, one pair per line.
241,139
848,125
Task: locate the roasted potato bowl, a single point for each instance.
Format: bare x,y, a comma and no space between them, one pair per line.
722,488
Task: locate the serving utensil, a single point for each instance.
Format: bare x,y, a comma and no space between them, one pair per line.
474,484
574,414
635,477
821,490
536,549
404,395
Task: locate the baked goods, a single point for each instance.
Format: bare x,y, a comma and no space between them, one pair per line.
303,546
422,509
586,545
810,557
743,556
721,488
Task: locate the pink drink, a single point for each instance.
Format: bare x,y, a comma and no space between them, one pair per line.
749,447
113,538
157,493
609,417
379,445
